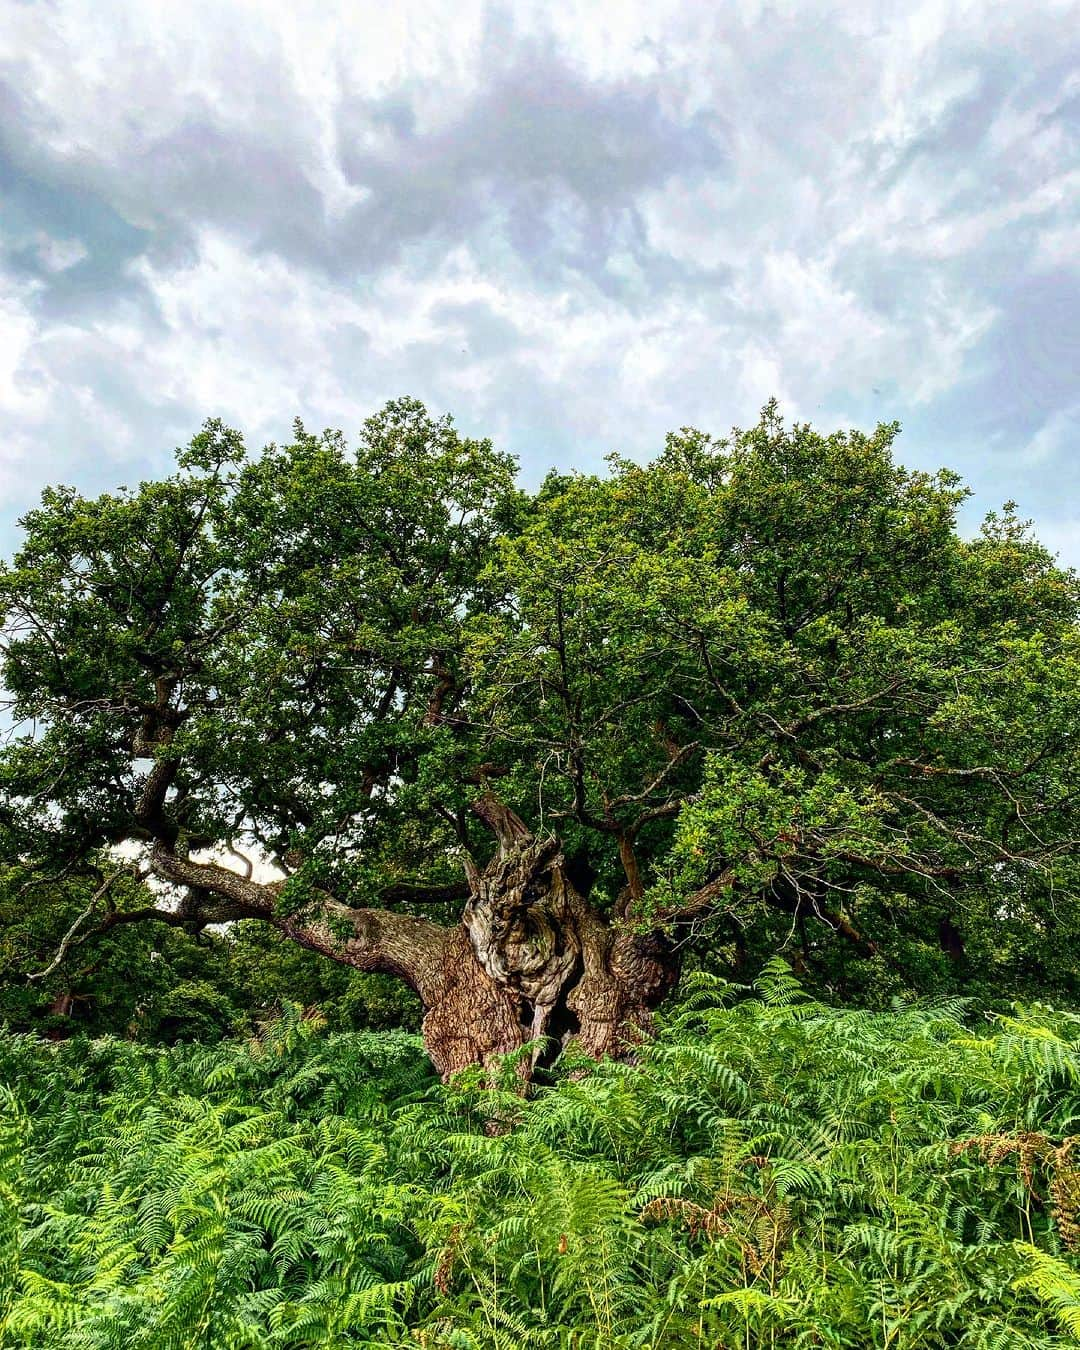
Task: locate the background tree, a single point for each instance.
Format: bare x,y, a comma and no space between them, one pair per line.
524,752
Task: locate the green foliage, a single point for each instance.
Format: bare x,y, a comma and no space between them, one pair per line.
152,982
267,969
773,660
768,661
262,626
772,1172
127,986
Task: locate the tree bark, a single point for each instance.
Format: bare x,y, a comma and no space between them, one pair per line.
571,974
531,960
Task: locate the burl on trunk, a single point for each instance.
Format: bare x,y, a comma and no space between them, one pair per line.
533,961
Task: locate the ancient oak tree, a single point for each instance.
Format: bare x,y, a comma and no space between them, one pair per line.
530,752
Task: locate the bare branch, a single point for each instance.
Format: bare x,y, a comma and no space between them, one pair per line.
69,937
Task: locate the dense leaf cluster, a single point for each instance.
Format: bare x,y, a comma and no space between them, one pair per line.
773,1172
762,689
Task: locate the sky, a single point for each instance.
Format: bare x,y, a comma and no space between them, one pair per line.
575,227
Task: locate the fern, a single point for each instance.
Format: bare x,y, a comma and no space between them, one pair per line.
770,1172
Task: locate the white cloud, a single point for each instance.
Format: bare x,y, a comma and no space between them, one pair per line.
573,226
57,255
17,333
1059,436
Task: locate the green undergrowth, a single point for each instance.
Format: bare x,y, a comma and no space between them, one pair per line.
771,1172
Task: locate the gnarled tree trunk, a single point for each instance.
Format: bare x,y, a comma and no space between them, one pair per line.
531,960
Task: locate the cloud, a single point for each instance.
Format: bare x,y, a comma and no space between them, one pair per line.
541,157
575,227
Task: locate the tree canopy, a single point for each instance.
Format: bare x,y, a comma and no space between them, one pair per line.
760,693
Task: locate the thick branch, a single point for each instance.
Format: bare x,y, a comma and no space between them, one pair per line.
150,809
256,899
175,918
702,900
417,893
367,939
508,828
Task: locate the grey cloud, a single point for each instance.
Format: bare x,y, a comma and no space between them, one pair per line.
571,256
40,194
537,140
236,180
486,332
539,161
